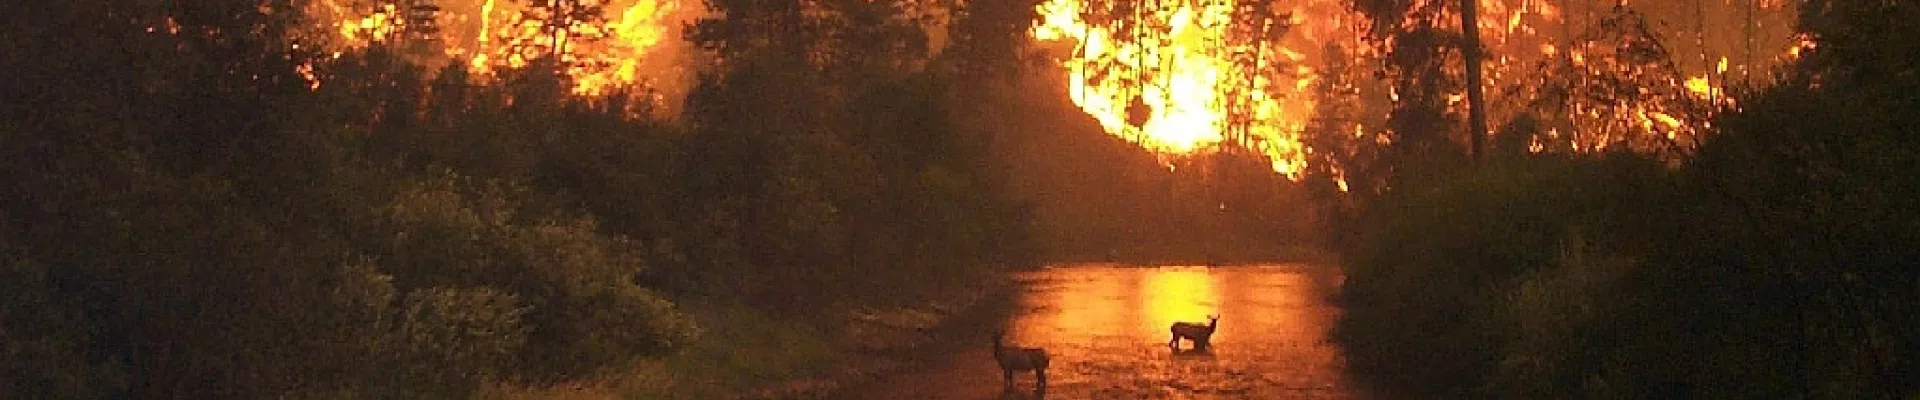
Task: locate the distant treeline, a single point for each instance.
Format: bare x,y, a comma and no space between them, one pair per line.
183,214
1777,259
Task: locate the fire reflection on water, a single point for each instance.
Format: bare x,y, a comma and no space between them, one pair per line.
1178,294
1106,328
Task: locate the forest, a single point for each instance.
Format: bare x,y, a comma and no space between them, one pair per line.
1770,258
203,200
262,198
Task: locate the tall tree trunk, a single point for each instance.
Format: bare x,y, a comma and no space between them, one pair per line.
1746,67
1476,102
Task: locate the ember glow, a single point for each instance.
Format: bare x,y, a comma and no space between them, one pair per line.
1206,73
636,42
1183,77
1175,77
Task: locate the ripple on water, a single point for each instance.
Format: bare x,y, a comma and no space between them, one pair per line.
1106,328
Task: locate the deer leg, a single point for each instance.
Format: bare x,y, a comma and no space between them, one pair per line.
1008,374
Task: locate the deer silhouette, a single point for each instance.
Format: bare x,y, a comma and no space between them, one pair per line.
1019,359
1200,335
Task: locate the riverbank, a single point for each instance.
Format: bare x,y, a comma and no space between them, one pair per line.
881,343
1245,255
750,354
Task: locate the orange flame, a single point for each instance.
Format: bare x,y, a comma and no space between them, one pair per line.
640,28
1181,91
1185,93
481,34
376,27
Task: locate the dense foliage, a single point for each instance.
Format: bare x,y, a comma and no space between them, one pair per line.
1774,261
197,204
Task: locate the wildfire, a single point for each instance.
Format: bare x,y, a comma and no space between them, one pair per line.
640,29
1183,78
375,27
631,46
1175,78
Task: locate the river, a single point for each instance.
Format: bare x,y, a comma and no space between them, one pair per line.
1105,328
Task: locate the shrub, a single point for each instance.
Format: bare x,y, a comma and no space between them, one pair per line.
1427,292
449,340
1556,317
42,337
584,310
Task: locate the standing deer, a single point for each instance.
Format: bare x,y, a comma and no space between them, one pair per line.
1201,335
1016,359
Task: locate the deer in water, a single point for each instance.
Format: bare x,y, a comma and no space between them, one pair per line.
1201,335
1019,359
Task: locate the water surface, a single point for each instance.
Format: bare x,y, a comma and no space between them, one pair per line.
1106,327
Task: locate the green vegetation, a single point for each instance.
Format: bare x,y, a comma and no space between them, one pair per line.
1776,260
1472,277
198,204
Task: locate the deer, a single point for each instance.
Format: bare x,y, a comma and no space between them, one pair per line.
1019,359
1201,335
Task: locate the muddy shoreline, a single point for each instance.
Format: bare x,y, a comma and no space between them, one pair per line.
881,343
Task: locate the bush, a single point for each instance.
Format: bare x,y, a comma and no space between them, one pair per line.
1559,319
42,337
1427,294
433,342
446,341
584,309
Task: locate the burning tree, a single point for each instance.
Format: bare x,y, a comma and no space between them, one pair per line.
545,28
603,47
410,25
1179,76
1618,87
1418,49
1254,32
1577,76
